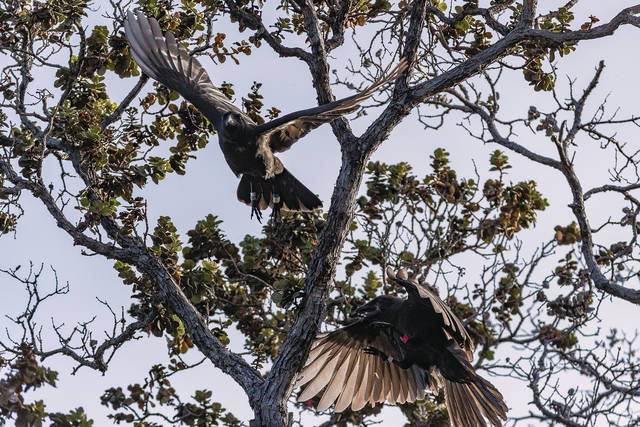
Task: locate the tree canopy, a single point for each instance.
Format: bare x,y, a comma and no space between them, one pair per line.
253,306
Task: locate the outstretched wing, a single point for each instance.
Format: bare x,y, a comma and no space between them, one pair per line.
451,323
167,61
281,133
338,367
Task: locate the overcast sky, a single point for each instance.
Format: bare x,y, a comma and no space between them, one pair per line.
209,187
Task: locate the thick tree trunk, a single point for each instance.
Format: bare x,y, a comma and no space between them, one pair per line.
272,416
272,403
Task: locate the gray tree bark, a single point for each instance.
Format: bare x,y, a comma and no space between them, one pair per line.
268,396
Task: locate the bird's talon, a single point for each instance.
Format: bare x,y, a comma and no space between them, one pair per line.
258,213
255,205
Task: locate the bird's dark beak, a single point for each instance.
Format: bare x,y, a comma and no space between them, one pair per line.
366,310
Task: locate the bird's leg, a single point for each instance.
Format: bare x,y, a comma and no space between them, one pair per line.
255,203
275,212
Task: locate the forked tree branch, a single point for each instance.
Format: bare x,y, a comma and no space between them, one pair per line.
268,397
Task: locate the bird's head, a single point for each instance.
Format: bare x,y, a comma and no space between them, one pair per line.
232,123
377,308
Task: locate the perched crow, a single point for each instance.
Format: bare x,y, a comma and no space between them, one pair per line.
248,148
395,350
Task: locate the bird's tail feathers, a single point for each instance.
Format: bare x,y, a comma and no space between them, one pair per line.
293,194
469,403
470,398
282,191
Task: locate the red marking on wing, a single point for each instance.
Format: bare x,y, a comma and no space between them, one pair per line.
404,338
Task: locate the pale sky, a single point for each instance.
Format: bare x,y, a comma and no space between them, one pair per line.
286,84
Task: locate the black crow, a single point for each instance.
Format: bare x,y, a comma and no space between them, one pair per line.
394,351
248,147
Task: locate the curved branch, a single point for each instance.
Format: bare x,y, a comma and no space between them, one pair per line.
107,120
496,137
580,213
486,13
319,68
255,23
609,187
96,360
136,253
338,24
38,189
625,17
579,210
402,103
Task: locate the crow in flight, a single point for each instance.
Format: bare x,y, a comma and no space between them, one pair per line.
248,147
395,350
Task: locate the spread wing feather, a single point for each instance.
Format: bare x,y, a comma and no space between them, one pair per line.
284,131
323,377
163,59
339,369
365,384
347,393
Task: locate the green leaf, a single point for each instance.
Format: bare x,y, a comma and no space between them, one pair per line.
180,331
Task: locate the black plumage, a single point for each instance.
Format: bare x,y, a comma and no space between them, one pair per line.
393,351
247,147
